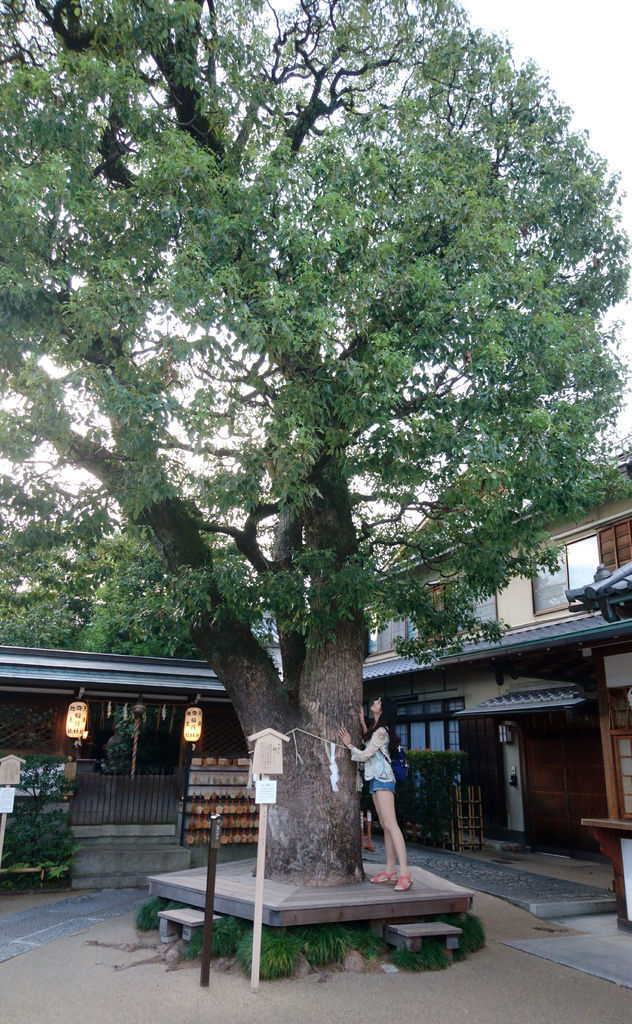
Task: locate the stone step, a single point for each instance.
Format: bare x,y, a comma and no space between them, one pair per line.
143,835
184,920
125,865
118,880
413,933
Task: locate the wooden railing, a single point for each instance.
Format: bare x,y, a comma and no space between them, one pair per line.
121,800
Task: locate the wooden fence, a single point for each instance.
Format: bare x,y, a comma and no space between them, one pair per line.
121,800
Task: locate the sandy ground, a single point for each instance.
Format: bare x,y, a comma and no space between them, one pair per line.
91,978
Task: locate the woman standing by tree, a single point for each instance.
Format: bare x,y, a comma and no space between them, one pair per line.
380,741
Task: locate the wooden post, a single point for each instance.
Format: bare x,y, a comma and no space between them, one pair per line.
3,822
9,777
6,806
267,760
258,916
215,840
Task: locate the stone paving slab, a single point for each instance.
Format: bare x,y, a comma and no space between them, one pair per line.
28,929
525,889
606,955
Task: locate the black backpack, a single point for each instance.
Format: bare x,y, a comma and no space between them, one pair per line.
399,764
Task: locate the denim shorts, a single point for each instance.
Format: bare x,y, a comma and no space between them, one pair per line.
376,784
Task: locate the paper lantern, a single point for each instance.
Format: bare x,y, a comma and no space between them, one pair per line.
192,725
76,719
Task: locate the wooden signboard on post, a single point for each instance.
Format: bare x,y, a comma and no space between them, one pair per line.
267,759
10,770
268,753
9,776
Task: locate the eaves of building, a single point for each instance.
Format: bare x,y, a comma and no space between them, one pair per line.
574,633
106,675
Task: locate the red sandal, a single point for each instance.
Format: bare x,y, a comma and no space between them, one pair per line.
404,883
384,878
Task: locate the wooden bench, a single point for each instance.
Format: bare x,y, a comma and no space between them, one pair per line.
413,933
25,871
183,921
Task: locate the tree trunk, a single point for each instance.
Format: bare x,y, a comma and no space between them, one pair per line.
314,832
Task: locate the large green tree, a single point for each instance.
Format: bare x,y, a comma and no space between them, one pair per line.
113,595
313,298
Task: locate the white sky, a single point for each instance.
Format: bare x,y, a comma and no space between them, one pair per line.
585,48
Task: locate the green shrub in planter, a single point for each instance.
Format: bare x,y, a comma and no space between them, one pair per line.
366,942
38,832
147,919
279,953
225,938
324,943
431,957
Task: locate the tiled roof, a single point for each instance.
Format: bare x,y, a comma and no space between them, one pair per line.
542,699
552,634
31,668
391,667
609,593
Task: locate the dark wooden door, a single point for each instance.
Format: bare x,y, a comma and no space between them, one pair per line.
565,782
477,736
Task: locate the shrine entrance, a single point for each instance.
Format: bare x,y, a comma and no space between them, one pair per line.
565,782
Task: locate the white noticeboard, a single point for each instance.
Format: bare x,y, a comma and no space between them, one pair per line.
265,791
7,796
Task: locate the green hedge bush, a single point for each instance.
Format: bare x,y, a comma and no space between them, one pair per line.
37,831
423,800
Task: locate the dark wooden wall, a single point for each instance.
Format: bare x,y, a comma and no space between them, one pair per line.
478,737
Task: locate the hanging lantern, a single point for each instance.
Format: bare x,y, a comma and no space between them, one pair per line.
192,725
76,719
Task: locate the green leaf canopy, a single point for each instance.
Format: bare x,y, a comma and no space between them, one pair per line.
314,297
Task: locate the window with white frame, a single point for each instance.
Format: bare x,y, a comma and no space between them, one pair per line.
582,559
384,639
549,587
576,567
486,610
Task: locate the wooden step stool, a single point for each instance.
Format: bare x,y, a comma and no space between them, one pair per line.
413,933
185,920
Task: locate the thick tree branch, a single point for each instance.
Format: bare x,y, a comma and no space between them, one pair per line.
288,541
112,148
246,538
107,466
65,22
178,53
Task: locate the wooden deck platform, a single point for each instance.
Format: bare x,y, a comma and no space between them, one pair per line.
293,904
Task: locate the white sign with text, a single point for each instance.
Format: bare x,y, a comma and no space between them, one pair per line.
265,791
7,796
